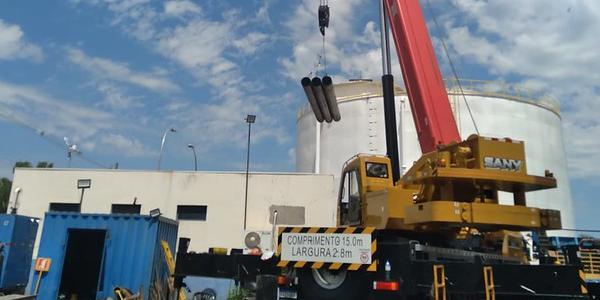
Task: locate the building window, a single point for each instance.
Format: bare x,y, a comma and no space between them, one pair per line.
191,212
126,209
69,207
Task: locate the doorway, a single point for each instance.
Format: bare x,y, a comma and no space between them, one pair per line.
82,264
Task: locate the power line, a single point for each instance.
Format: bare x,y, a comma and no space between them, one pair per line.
52,141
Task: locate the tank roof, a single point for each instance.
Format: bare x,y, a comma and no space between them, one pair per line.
360,89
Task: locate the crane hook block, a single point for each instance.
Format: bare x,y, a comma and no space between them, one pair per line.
323,18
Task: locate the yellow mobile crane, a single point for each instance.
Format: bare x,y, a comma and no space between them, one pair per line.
438,230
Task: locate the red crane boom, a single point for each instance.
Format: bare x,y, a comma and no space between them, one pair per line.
426,91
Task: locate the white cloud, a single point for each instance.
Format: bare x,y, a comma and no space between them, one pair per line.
126,146
177,105
136,17
13,44
371,33
292,155
351,48
115,98
181,7
548,46
107,69
88,145
262,14
207,48
251,42
552,46
200,46
55,118
197,44
582,149
25,104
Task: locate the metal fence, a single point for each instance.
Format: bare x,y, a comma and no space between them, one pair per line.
473,87
590,260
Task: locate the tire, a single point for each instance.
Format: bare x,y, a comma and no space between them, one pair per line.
325,284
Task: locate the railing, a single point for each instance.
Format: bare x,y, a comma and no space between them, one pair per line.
590,259
472,87
503,90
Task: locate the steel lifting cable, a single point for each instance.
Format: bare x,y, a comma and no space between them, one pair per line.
323,15
455,74
324,57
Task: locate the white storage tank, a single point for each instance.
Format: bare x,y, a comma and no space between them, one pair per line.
499,110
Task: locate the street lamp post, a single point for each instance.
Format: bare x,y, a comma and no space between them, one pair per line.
162,144
249,119
195,160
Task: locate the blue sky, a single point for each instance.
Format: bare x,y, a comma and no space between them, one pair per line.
113,75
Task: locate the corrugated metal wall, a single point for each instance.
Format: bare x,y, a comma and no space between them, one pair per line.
132,253
159,275
17,237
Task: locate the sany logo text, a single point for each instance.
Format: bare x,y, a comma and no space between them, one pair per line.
502,163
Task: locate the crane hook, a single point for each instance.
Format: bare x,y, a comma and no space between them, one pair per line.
323,17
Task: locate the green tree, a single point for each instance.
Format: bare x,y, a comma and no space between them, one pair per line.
22,164
44,164
5,186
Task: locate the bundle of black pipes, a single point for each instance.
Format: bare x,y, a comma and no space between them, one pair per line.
321,96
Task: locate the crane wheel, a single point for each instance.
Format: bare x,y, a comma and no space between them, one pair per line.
332,284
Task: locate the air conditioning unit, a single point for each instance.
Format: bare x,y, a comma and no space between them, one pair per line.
260,239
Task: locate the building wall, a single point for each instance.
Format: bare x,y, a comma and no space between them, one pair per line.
497,113
222,193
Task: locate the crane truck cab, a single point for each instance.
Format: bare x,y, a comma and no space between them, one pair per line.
448,189
444,212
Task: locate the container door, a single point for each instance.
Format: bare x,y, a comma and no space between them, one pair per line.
6,238
82,264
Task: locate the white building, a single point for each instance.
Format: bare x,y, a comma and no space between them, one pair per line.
209,206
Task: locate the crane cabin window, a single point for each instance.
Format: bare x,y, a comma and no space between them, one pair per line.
353,185
191,212
350,199
377,170
349,187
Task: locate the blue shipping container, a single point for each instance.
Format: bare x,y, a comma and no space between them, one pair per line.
94,253
17,238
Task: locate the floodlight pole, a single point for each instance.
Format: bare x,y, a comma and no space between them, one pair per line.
81,198
83,184
249,119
